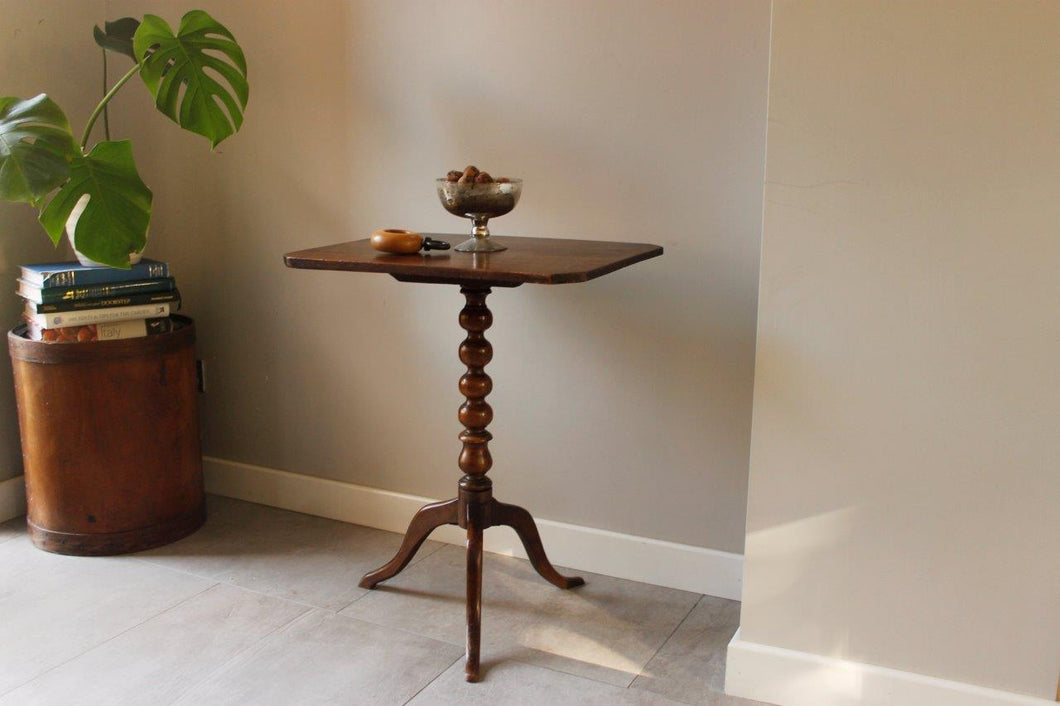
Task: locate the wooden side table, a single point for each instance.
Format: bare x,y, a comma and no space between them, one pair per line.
527,260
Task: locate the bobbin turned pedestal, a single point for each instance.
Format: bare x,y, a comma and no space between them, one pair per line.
474,509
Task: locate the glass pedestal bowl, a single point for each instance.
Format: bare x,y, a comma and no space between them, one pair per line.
479,202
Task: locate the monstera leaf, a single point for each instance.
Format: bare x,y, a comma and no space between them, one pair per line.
117,36
115,220
36,147
180,71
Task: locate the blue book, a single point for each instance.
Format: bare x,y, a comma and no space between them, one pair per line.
73,274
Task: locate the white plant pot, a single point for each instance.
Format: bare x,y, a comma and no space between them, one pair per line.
71,228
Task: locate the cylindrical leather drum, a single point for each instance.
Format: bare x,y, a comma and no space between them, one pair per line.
110,441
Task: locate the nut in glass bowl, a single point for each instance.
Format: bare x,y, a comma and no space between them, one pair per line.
479,202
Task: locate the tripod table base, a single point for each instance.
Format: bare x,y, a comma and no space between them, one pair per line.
475,514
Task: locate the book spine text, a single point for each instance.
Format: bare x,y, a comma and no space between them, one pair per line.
98,316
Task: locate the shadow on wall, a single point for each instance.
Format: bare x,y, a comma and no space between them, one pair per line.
287,183
24,242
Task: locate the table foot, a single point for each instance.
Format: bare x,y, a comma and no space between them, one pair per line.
476,522
523,523
425,521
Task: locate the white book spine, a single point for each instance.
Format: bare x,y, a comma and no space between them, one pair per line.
99,316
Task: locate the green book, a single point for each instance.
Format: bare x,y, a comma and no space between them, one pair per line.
52,295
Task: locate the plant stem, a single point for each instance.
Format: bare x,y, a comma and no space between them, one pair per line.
103,104
106,111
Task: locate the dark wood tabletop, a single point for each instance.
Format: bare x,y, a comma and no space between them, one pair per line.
527,260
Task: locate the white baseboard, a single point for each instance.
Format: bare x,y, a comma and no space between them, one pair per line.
680,566
12,498
791,678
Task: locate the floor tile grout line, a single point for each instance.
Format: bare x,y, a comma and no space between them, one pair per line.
402,630
215,577
572,674
366,593
256,592
218,578
112,637
240,653
435,678
441,545
668,638
280,598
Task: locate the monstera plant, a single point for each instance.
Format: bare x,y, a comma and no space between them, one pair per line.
198,79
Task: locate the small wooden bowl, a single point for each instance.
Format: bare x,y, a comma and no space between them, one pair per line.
397,241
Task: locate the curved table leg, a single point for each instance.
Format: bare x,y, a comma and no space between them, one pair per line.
523,523
425,521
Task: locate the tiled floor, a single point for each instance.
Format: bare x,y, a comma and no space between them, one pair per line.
261,606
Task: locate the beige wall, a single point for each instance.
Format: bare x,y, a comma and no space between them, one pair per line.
904,482
45,47
622,404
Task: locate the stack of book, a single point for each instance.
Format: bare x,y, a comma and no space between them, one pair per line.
69,302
